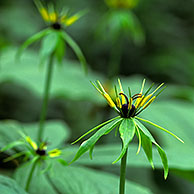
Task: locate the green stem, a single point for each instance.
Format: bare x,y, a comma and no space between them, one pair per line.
115,59
45,98
30,175
122,173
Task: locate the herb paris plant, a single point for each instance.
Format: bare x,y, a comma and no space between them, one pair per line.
33,154
54,38
129,124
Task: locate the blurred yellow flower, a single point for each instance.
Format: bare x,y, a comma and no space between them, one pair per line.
127,4
55,19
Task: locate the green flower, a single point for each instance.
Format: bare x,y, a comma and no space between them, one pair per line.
128,123
120,22
54,37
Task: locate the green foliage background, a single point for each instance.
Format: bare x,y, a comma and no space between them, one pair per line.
166,56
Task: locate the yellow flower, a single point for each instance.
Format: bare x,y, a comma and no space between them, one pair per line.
128,4
55,19
41,150
129,106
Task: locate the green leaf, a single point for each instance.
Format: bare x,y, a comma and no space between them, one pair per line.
147,146
31,40
132,27
60,49
127,132
29,76
10,186
77,50
95,128
55,133
48,46
88,144
160,150
105,154
74,180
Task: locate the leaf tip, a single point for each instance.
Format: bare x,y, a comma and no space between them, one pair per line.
165,175
152,164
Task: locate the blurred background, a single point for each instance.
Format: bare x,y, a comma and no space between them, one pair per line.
153,40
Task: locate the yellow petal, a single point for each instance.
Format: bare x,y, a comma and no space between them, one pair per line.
138,101
43,146
149,102
157,88
32,143
44,14
118,102
122,92
145,99
71,20
109,100
54,153
53,17
130,103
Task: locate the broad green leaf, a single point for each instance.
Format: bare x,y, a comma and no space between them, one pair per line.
74,180
147,146
76,49
60,49
133,27
105,154
55,133
10,186
32,77
88,144
48,46
31,40
127,132
160,150
123,22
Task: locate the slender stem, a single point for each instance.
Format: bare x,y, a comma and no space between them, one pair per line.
122,173
30,175
45,98
115,59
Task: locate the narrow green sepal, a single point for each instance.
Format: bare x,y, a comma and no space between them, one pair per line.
95,128
77,51
159,127
11,145
127,132
14,156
